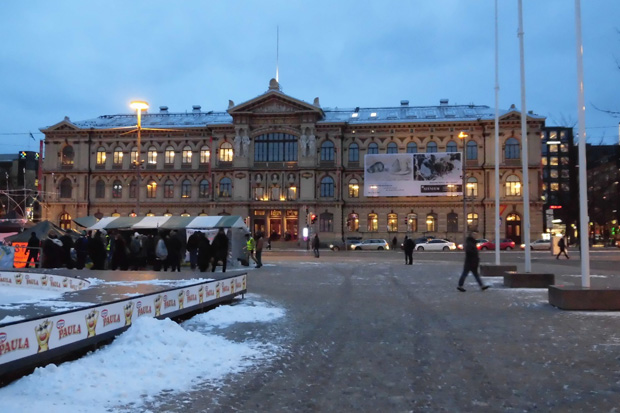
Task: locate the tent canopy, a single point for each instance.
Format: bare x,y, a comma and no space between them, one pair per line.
169,222
42,229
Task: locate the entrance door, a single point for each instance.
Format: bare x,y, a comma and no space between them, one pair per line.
275,228
259,225
513,228
291,229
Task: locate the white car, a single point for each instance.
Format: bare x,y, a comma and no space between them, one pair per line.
372,244
539,244
436,245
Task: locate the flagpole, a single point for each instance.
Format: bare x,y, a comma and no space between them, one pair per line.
497,213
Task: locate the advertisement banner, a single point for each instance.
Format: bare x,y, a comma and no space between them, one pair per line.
41,281
413,174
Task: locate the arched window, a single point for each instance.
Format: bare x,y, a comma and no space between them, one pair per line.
453,222
392,147
66,188
118,156
67,155
513,186
512,149
203,189
226,152
327,187
326,222
354,152
152,156
471,151
168,189
117,189
187,155
431,147
354,188
327,151
392,222
133,155
205,155
472,187
373,223
151,189
431,223
100,189
412,147
353,222
373,148
412,222
275,147
225,188
169,156
65,221
133,188
472,222
451,147
186,189
101,156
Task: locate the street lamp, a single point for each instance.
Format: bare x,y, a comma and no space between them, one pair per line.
463,135
139,106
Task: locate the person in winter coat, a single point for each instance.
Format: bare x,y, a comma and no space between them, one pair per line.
192,248
409,246
204,252
315,245
175,247
219,247
472,260
119,254
81,251
33,250
161,253
97,252
67,245
260,244
562,246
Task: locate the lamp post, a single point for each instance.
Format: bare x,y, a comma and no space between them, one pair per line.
139,106
463,135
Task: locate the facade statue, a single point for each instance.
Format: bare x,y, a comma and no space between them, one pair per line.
237,145
245,142
303,141
312,145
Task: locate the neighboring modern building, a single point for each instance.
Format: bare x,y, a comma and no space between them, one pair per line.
603,165
19,185
276,159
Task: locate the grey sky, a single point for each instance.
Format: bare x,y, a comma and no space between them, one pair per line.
84,59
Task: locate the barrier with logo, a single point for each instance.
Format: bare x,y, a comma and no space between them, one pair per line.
29,343
41,281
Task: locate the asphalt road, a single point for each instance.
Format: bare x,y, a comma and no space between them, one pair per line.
366,333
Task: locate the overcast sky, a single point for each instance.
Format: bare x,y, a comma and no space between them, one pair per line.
83,59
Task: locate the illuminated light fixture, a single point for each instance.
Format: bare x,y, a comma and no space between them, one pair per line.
373,115
354,115
556,221
139,105
463,135
553,142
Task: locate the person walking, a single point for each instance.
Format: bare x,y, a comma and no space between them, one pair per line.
562,246
472,260
394,242
315,245
33,250
260,244
409,245
250,246
219,248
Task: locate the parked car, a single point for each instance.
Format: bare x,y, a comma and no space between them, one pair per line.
436,245
478,242
505,244
372,244
539,244
349,244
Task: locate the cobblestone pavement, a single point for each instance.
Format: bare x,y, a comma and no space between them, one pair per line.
364,332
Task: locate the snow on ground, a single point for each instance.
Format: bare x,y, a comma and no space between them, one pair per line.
152,357
14,298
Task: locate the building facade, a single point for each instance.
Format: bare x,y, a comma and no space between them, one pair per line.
276,160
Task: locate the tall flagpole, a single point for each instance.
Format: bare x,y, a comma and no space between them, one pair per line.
583,184
525,227
497,216
277,53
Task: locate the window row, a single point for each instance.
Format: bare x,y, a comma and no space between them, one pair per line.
117,188
411,223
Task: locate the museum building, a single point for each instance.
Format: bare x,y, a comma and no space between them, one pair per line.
276,161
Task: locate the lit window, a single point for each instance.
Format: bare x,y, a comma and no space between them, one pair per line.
118,156
412,222
203,189
373,115
373,223
472,187
472,222
354,115
291,193
431,223
392,222
513,186
354,188
169,156
205,155
65,221
187,155
117,189
133,155
67,155
226,152
151,189
152,156
353,222
101,156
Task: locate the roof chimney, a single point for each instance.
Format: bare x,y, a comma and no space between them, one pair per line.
443,102
196,108
404,103
163,109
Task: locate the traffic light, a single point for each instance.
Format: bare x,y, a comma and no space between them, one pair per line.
312,218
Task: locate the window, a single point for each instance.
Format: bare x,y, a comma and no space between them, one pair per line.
100,189
187,155
373,223
353,222
453,222
354,188
327,151
226,152
373,148
168,189
412,222
555,174
133,155
451,147
554,186
203,189
225,188
512,149
67,155
133,186
117,189
100,156
65,221
275,193
169,156
553,161
544,161
472,187
513,186
291,193
472,222
553,148
66,188
412,147
471,151
326,222
354,152
259,193
275,147
152,156
392,222
151,189
205,155
118,156
392,147
327,187
431,223
186,189
431,147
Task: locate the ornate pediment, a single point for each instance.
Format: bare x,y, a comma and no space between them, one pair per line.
64,125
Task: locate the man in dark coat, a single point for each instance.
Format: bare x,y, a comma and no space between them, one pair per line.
97,252
119,253
33,250
219,247
175,247
192,248
562,246
67,245
408,245
472,260
81,251
204,251
316,245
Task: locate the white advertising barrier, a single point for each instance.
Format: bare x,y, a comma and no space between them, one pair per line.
41,281
22,339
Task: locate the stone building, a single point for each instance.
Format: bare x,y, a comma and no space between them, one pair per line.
275,160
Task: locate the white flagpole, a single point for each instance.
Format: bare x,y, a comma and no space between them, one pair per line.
497,217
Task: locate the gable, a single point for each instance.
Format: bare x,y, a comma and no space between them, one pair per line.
64,125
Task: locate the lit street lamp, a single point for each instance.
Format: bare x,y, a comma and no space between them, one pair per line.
462,136
139,106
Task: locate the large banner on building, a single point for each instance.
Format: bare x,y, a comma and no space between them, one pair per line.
413,174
